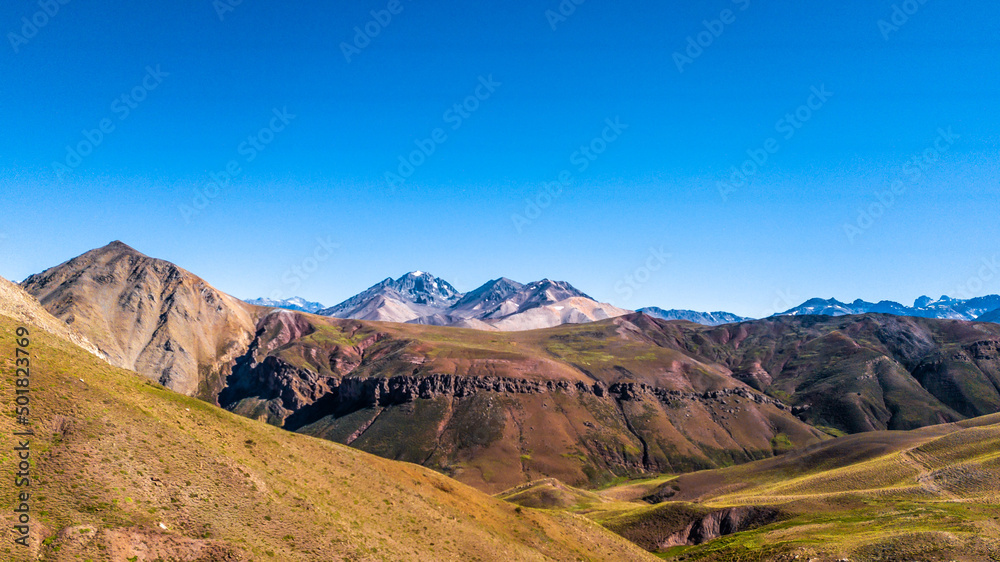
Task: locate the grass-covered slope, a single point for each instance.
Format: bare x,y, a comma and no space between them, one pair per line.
926,494
127,470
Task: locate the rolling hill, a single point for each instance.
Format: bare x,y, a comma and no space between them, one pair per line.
925,494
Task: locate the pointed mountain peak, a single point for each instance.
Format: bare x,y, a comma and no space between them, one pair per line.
563,290
489,294
117,247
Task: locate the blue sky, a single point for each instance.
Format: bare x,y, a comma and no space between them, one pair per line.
309,136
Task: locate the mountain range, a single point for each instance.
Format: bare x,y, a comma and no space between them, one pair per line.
773,427
657,395
294,303
924,307
500,304
703,318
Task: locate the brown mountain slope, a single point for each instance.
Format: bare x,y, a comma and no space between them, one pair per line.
583,403
19,305
148,315
856,373
123,469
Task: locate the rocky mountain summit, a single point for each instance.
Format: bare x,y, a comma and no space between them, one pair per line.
148,315
499,304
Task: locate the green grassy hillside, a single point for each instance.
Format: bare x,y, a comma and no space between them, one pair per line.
124,469
926,494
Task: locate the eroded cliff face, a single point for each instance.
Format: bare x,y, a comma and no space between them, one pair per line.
721,523
490,429
679,524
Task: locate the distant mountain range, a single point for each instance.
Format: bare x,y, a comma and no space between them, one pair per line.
501,304
981,309
294,303
703,318
945,308
504,304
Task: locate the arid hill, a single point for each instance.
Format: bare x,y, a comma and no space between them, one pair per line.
17,304
148,315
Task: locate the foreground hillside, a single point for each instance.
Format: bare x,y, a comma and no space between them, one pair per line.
125,469
926,494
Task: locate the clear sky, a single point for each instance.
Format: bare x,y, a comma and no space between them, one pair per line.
668,99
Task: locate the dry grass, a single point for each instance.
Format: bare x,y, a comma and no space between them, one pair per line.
116,456
927,494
